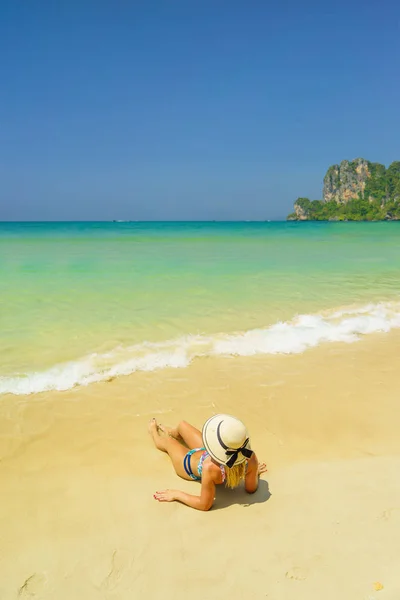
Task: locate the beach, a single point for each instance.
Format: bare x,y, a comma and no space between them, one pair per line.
199,228
317,386
78,471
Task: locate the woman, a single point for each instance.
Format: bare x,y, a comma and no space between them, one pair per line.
219,454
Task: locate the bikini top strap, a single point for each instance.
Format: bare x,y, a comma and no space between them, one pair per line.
201,460
193,450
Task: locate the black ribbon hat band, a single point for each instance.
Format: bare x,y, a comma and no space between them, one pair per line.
232,454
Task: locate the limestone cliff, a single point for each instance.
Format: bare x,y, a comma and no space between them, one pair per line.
301,210
355,190
346,181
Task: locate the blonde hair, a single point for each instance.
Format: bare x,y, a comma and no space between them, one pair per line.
235,475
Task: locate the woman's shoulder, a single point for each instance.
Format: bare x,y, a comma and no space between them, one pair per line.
212,470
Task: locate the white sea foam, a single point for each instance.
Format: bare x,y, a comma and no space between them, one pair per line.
292,337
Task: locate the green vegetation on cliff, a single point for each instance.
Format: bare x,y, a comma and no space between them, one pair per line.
354,191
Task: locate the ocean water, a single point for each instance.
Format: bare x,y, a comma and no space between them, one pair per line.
82,302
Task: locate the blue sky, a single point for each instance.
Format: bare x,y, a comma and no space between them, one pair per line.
190,110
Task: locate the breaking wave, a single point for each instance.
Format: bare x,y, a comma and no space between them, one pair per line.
291,337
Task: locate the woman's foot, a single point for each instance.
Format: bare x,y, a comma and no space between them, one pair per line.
171,431
153,427
162,430
153,430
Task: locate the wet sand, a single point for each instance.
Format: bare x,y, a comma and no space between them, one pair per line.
78,470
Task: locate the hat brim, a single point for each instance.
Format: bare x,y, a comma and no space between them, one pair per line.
214,444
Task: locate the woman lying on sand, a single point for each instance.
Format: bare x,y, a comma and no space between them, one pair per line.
219,454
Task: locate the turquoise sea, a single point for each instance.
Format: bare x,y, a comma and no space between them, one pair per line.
81,302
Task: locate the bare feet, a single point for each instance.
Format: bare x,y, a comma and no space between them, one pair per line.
158,440
162,429
165,429
171,431
152,428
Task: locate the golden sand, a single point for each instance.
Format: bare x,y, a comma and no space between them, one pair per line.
78,470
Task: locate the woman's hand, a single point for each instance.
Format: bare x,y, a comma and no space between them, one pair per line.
262,468
165,496
202,502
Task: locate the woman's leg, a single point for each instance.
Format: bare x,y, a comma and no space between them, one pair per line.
189,434
172,447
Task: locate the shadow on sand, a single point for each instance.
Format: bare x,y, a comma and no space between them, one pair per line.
227,497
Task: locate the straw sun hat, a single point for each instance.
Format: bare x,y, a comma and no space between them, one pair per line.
226,440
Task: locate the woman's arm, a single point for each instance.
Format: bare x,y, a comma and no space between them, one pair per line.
254,470
202,502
